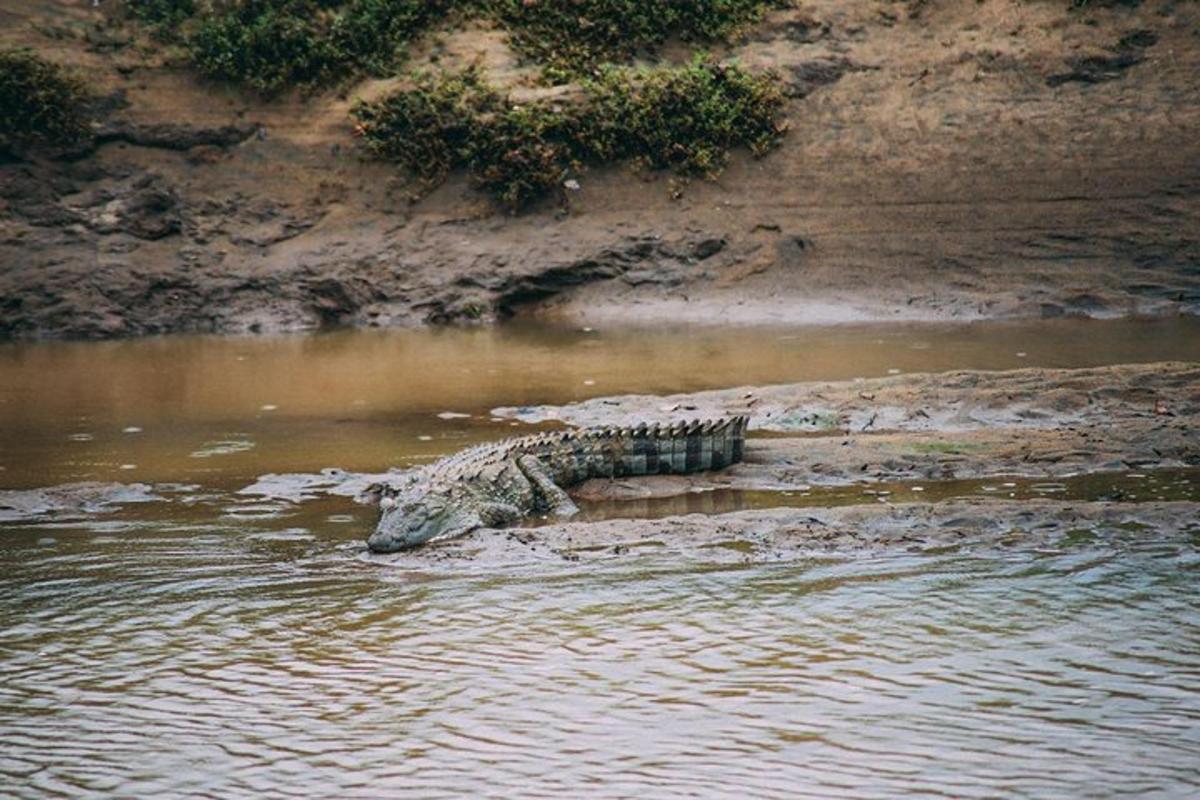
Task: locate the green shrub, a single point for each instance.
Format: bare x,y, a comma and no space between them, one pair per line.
522,153
428,129
450,122
273,44
372,34
165,16
42,104
685,118
265,44
571,37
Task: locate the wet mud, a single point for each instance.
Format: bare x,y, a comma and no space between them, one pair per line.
931,429
787,534
964,424
74,500
1067,454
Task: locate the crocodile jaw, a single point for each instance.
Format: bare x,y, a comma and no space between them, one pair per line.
401,529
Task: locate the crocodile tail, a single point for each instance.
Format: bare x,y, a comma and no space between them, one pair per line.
682,447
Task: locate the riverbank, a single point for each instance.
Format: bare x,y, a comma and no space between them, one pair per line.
945,161
936,461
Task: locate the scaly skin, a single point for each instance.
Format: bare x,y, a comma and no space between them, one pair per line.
497,484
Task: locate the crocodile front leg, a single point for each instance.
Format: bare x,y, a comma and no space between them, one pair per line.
559,503
497,515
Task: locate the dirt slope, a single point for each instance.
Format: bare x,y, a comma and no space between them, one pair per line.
946,159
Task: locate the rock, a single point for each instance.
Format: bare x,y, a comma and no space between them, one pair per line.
1095,69
808,76
70,499
171,136
707,248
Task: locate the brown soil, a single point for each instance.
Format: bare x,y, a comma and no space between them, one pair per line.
946,160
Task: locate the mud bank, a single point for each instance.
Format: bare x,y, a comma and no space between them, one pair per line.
933,428
71,500
788,534
965,424
945,160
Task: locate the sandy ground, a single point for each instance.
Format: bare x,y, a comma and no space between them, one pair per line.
946,160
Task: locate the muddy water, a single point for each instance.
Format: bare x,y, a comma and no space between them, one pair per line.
221,411
200,642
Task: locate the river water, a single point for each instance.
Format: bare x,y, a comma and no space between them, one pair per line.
202,642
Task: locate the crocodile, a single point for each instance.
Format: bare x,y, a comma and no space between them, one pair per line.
493,485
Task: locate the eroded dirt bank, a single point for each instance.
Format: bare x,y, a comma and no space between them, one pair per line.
945,160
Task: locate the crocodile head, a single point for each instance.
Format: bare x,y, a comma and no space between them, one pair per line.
407,523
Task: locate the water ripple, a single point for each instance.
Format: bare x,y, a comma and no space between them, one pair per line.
228,660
